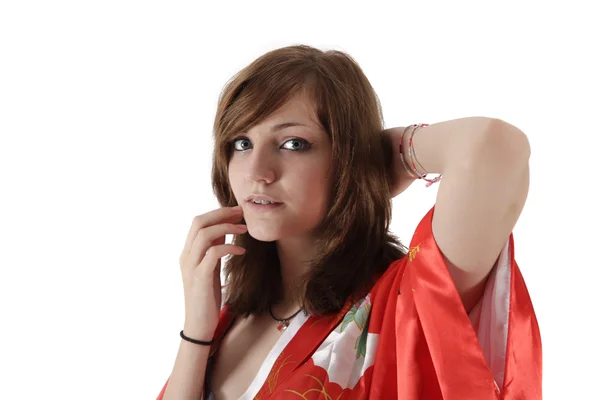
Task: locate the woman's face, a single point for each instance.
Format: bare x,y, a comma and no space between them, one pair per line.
289,164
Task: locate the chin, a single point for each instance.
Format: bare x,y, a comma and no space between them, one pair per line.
266,240
264,236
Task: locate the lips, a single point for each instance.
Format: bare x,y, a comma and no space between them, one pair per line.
264,208
264,198
264,204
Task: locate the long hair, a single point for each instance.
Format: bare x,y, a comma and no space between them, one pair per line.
353,244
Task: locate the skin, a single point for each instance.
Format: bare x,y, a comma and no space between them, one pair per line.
292,166
486,180
485,164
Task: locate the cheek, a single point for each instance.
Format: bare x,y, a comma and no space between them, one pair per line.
234,178
316,188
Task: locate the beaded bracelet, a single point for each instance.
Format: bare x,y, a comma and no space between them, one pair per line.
411,153
400,152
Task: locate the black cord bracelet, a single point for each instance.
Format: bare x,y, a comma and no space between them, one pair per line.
195,341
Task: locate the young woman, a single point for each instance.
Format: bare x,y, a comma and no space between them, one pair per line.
320,300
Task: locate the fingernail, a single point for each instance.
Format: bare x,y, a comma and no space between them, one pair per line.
237,208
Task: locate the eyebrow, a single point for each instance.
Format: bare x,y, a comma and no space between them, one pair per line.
282,126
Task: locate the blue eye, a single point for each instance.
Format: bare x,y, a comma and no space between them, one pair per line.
299,145
234,141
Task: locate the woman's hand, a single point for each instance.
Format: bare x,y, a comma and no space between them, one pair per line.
200,264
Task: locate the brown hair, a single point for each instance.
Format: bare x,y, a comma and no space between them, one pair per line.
354,246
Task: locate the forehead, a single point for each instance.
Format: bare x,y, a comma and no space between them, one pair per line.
300,105
298,111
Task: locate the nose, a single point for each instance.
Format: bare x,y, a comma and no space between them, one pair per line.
260,166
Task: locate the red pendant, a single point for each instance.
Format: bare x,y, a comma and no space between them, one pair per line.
282,326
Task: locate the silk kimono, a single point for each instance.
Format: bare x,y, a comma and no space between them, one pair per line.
410,338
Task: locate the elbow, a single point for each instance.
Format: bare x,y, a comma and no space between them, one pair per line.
499,146
507,140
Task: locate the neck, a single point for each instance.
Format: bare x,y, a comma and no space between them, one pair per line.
292,254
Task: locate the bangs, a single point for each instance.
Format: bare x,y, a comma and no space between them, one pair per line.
256,100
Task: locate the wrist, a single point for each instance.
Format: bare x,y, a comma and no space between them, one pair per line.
197,333
195,341
401,177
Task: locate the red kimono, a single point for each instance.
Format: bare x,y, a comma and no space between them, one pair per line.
410,338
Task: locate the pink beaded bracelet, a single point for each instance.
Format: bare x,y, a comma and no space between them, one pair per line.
411,153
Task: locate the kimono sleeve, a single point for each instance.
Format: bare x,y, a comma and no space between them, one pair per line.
495,351
162,392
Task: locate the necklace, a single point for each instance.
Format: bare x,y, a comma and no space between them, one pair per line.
283,323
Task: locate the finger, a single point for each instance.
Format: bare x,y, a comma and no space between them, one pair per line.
225,214
211,236
210,218
206,268
217,278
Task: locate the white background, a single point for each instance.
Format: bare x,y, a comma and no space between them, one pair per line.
106,112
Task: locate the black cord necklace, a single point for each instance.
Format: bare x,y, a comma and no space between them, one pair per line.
283,323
